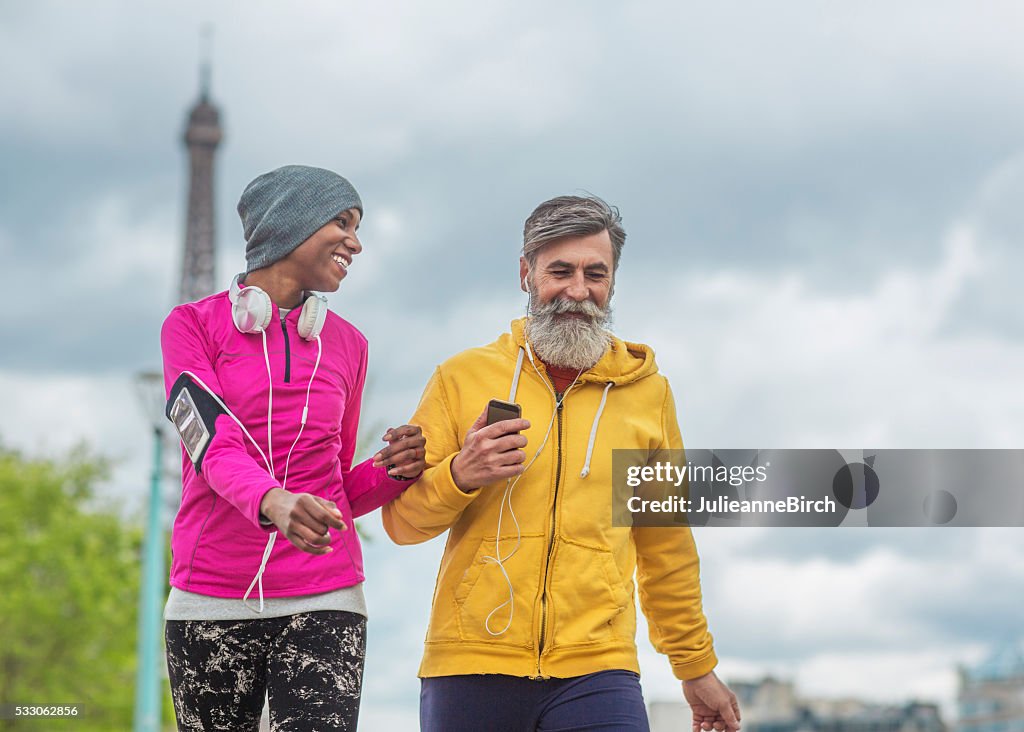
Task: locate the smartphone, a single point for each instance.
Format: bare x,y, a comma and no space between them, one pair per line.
499,411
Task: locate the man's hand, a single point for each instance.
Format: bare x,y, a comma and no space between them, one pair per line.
304,519
490,453
712,704
405,455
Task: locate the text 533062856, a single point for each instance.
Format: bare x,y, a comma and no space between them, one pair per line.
13,711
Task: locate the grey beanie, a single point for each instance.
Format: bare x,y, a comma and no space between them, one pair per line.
283,208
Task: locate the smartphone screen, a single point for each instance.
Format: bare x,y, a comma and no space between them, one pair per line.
499,411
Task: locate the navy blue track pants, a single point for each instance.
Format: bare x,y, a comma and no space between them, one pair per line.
606,700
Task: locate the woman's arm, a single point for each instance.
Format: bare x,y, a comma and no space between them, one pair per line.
224,463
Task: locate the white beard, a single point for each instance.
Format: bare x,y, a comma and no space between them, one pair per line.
569,342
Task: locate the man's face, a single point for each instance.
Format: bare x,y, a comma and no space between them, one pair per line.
576,268
570,286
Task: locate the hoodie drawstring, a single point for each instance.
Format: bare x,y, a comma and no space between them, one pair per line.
593,430
515,376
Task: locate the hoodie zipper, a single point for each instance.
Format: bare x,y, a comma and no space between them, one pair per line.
551,547
287,354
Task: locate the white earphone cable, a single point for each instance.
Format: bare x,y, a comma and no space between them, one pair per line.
233,294
270,401
305,410
258,579
510,484
500,560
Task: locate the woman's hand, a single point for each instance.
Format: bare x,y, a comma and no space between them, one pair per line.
405,455
304,519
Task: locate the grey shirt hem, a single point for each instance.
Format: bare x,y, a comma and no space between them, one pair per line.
182,605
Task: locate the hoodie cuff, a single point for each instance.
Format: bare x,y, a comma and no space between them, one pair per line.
687,670
447,490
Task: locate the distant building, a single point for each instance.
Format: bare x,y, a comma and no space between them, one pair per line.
772,705
991,696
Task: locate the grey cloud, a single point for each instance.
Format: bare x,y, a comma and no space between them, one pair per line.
775,156
949,587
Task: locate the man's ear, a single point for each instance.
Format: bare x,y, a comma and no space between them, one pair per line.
524,270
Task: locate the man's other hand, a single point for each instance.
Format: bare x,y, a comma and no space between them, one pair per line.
713,705
490,453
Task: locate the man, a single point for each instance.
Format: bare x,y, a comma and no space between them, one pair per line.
533,623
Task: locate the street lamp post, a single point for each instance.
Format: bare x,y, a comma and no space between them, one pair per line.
148,679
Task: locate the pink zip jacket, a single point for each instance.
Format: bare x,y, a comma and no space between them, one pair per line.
217,541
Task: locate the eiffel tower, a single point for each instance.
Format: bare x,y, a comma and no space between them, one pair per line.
198,277
202,135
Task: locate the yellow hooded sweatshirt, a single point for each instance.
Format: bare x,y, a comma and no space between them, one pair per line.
571,572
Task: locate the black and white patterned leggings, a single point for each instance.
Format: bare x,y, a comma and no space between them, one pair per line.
309,665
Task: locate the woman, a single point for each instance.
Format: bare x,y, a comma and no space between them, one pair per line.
264,387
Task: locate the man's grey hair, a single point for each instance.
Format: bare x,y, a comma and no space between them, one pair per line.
572,216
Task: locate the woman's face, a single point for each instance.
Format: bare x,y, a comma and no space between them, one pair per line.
321,262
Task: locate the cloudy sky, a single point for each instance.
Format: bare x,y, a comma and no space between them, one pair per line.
822,205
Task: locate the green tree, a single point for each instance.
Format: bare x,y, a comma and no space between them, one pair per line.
69,586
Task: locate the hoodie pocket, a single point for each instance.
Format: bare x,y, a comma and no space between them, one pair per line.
589,600
485,608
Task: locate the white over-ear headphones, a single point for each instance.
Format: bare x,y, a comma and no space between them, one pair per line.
251,310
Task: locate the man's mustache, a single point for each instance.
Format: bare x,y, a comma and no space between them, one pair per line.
560,306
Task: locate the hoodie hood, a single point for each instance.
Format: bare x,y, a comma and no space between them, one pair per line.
623,362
